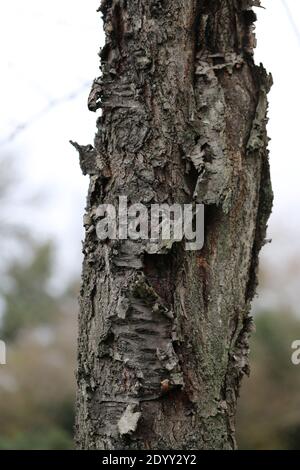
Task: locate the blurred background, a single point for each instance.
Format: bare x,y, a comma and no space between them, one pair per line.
49,60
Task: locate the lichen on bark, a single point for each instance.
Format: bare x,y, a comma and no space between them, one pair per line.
163,336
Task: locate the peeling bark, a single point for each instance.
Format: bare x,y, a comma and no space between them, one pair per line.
163,337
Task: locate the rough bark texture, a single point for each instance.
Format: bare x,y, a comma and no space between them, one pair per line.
163,337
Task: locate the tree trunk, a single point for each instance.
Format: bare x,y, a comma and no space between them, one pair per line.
163,337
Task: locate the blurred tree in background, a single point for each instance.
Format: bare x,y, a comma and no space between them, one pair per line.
37,386
269,408
28,301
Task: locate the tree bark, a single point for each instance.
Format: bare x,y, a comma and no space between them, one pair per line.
163,337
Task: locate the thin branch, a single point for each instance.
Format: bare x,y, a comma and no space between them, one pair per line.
52,104
291,20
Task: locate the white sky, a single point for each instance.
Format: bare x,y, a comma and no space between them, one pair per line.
48,51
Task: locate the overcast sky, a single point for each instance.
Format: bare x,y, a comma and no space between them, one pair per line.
49,59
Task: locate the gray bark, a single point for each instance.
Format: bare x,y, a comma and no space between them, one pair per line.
163,337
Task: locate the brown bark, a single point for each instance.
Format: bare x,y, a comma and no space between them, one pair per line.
163,338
